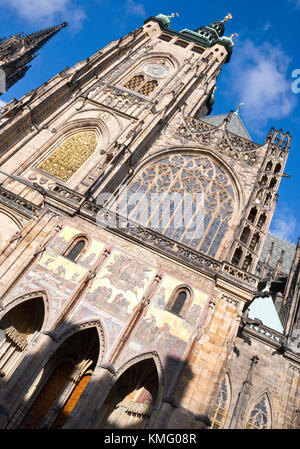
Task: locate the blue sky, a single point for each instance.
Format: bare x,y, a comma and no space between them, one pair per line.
260,72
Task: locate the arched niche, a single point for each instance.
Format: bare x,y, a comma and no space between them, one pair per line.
133,398
17,328
189,196
70,155
9,227
57,389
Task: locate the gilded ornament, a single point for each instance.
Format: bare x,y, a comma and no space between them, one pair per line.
70,155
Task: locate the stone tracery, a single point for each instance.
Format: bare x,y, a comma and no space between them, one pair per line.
189,198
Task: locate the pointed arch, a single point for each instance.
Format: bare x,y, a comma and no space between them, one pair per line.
187,194
85,135
180,300
221,408
259,415
135,395
52,398
25,316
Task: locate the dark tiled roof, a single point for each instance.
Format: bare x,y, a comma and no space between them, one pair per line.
279,245
235,126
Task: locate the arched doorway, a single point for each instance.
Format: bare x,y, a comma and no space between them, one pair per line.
62,382
17,328
131,401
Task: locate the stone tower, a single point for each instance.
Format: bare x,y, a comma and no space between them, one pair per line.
132,226
18,51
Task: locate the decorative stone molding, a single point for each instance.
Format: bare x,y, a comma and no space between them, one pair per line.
131,407
18,203
16,337
228,144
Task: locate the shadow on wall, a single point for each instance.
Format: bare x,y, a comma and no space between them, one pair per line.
56,379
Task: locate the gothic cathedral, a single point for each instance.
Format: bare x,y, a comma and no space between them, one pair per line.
139,286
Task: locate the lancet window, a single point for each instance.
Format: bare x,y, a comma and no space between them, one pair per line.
180,301
76,249
141,84
259,417
222,405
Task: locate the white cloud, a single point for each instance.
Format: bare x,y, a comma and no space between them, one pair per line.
48,10
260,80
2,103
134,8
267,26
284,224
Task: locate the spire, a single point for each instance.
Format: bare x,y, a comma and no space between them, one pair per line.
36,40
18,51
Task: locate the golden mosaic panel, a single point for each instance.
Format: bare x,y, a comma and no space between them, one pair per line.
70,155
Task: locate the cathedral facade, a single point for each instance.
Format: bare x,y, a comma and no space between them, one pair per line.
135,259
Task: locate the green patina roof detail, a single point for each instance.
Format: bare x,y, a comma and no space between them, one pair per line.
206,36
235,126
164,19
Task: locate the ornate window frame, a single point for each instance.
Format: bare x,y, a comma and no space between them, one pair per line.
187,301
137,69
237,199
222,405
72,244
249,422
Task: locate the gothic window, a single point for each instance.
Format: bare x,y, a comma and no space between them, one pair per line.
268,200
245,234
180,301
273,183
259,417
220,410
277,169
237,256
261,221
269,166
134,82
148,87
264,180
16,330
76,249
143,85
247,263
70,155
254,242
252,214
188,198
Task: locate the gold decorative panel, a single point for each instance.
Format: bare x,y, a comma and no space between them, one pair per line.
70,155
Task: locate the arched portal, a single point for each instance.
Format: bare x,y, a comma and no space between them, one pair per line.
64,379
130,403
17,327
